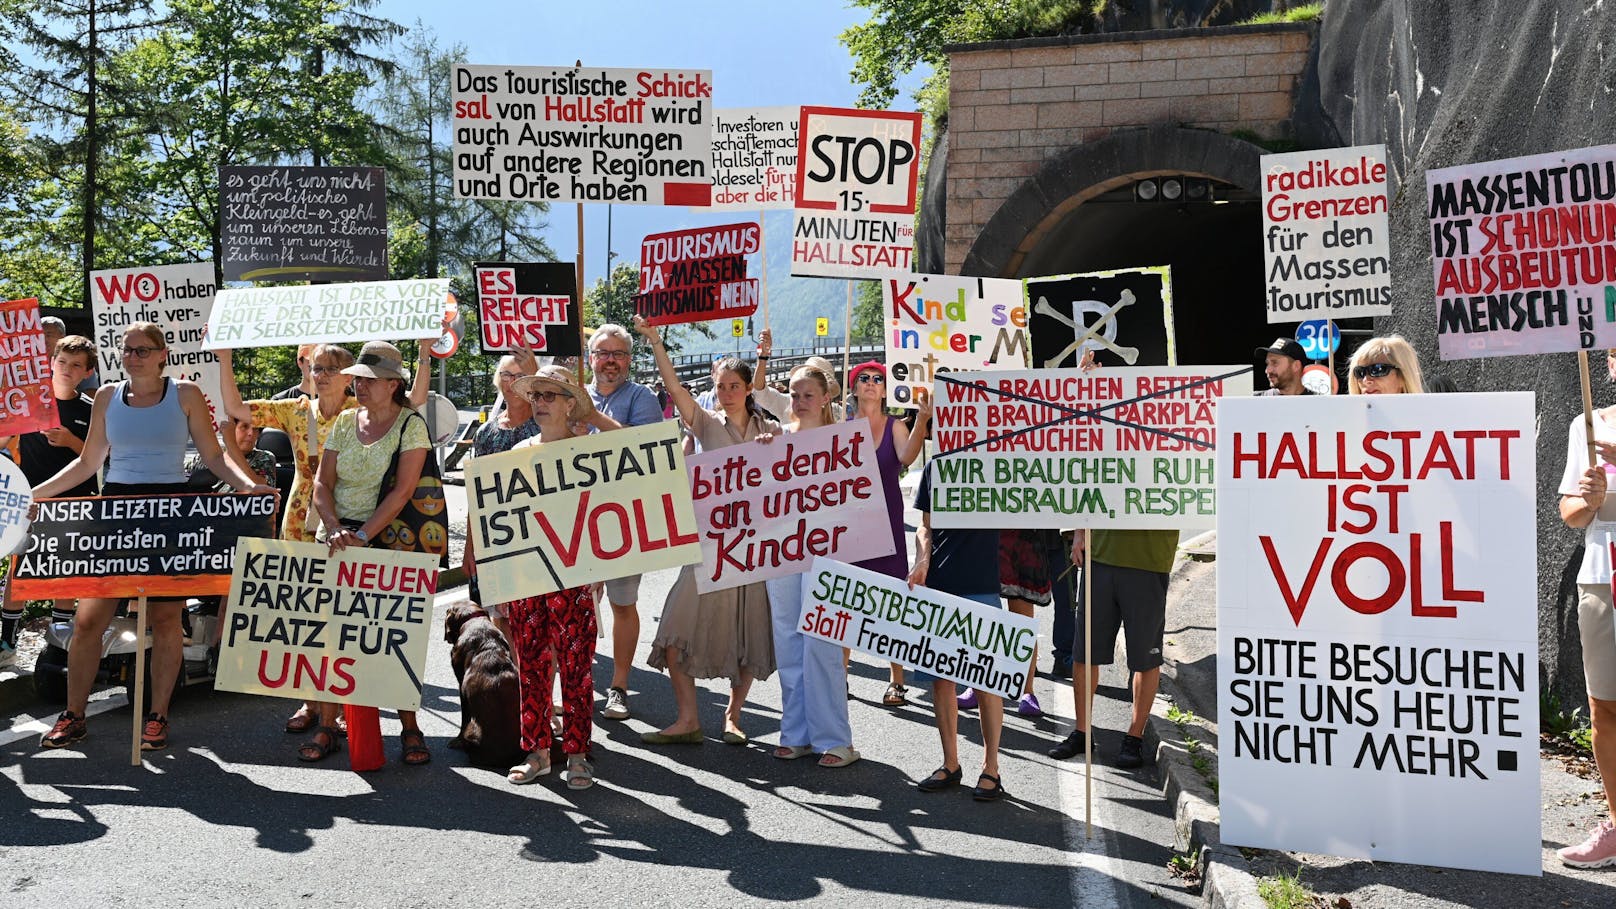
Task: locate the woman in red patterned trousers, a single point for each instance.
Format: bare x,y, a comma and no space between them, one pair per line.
559,627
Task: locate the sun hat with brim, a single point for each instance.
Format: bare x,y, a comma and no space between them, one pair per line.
378,360
824,366
554,379
853,378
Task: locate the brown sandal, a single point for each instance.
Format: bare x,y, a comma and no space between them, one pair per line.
314,750
301,721
896,696
415,750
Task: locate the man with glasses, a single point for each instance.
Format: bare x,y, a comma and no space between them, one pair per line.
305,387
630,404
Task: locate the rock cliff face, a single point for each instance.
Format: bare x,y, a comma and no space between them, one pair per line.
1443,83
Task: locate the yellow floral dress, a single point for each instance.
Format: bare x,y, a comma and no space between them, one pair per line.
292,417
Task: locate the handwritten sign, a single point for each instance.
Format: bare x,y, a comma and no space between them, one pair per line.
755,157
947,636
603,506
179,545
943,323
327,313
27,403
857,173
697,275
1521,251
1326,241
1377,628
1118,448
766,510
351,627
293,223
177,297
568,134
529,304
15,497
1124,316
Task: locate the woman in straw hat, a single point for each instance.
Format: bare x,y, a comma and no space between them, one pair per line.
726,633
557,626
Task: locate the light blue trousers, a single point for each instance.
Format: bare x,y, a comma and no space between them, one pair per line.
813,681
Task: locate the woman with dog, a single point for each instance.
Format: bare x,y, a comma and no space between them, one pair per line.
559,626
726,633
139,428
347,494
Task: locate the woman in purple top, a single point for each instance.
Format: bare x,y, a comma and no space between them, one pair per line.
896,447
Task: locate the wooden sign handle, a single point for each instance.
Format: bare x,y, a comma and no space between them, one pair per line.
137,704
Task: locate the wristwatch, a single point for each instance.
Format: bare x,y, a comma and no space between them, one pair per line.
363,537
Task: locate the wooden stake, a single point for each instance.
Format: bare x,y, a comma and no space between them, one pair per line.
137,706
763,257
1587,406
847,341
583,342
1088,682
1329,329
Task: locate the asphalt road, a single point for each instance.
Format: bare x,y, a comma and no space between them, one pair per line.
227,816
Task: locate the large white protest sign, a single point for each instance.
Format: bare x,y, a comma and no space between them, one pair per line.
328,313
1125,448
857,173
945,635
603,506
351,627
755,157
1377,628
765,510
571,134
1326,241
1522,254
946,323
177,297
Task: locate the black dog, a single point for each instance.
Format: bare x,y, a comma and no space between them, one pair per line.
490,704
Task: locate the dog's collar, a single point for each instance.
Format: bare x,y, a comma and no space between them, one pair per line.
479,614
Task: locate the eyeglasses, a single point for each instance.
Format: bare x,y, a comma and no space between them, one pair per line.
324,370
511,376
140,353
609,354
1373,371
548,397
873,378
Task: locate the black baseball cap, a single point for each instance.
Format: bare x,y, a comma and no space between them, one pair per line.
1285,346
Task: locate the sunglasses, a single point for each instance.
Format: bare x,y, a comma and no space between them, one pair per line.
1373,371
873,378
548,397
140,353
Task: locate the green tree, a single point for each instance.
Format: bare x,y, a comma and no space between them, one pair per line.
612,300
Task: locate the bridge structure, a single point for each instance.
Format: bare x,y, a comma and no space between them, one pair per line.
695,369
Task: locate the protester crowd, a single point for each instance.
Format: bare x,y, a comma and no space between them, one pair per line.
360,447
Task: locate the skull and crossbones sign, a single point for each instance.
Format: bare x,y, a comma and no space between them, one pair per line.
1090,336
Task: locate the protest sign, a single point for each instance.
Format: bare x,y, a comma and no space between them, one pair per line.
603,506
1326,242
177,297
1126,449
327,313
1522,253
944,323
295,223
857,172
766,511
351,627
531,302
1068,314
15,497
125,546
1377,628
948,636
697,275
27,403
755,157
578,134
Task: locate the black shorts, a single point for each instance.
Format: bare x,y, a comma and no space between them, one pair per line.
1132,600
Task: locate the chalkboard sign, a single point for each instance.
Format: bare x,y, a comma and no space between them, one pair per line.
303,223
124,546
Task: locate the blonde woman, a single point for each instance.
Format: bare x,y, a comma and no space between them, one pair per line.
1385,366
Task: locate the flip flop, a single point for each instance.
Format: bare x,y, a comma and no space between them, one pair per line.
792,752
840,756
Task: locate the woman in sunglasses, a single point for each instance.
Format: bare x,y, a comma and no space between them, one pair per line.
896,447
1385,366
144,423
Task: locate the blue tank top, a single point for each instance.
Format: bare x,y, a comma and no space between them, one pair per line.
148,443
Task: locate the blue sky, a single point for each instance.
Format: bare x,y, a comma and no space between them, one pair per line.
760,52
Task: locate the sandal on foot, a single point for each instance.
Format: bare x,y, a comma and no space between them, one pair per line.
415,750
984,794
314,750
840,756
301,721
896,696
529,771
154,734
792,752
580,773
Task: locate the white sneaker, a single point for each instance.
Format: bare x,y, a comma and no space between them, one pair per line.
1597,851
616,704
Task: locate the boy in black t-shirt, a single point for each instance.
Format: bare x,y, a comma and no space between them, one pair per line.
963,562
